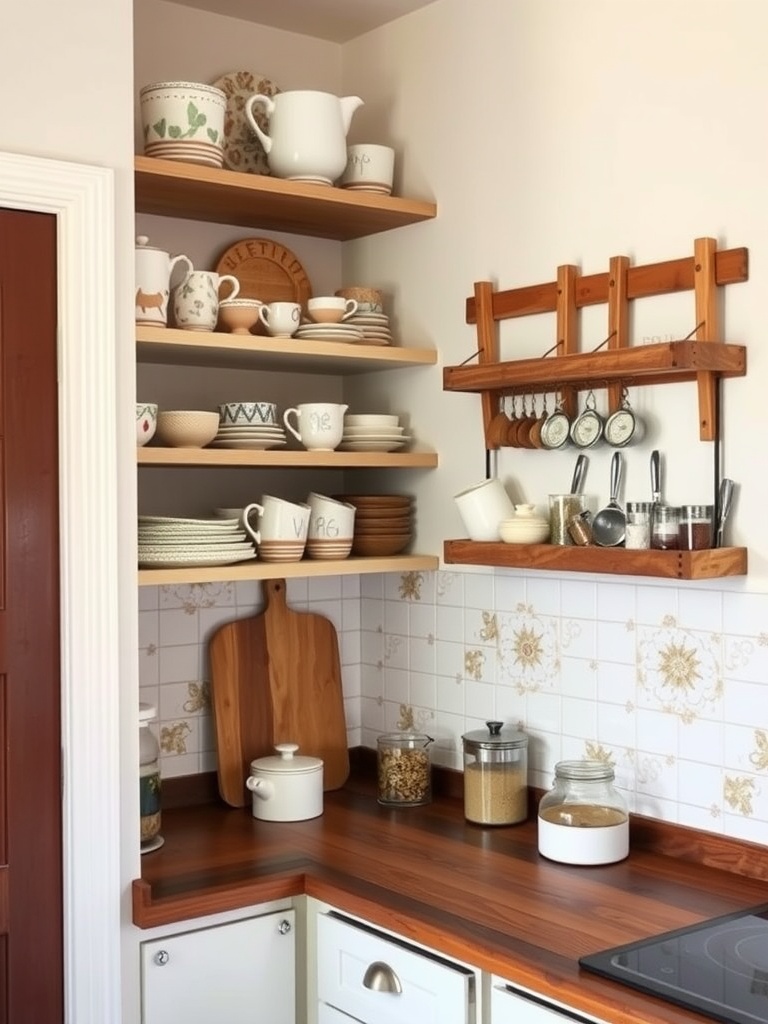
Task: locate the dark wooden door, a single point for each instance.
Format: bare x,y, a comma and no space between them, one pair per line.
31,911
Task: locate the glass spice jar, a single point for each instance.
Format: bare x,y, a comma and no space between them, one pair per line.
495,775
695,528
638,530
404,768
149,781
583,819
665,528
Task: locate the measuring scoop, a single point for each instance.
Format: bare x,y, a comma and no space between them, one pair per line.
610,523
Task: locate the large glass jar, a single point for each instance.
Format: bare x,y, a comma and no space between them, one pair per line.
149,781
583,819
404,768
495,775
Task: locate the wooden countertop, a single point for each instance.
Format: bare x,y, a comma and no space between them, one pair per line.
483,895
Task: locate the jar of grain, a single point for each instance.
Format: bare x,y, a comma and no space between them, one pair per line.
495,775
583,819
404,768
149,781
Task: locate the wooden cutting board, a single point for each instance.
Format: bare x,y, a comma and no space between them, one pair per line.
305,683
276,678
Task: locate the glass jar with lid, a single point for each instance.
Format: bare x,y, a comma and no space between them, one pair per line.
149,781
583,819
664,528
495,775
404,768
695,529
638,530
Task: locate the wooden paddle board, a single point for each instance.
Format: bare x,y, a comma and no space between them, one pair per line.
276,678
305,683
242,703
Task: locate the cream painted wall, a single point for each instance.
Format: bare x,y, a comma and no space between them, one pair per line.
550,133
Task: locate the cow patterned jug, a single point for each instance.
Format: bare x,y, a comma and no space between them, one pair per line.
153,282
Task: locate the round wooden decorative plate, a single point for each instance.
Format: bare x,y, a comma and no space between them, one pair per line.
267,271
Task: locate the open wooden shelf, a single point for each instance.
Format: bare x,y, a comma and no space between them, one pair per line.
287,570
663,363
278,458
672,565
211,348
174,189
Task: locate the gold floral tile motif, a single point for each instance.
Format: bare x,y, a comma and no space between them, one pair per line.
570,630
391,646
597,752
405,720
738,654
474,662
173,738
737,793
199,698
759,756
444,581
414,719
680,670
193,596
490,627
410,586
529,652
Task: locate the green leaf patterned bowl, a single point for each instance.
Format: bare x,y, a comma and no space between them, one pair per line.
184,121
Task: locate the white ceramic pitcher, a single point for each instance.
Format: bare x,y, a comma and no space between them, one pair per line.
308,133
153,281
196,300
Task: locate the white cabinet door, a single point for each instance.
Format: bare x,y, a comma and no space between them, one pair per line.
378,979
230,974
330,1015
516,1006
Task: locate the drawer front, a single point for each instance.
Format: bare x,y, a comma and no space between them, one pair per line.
330,1015
380,980
516,1006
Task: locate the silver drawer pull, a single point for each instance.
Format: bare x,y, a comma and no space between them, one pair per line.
381,978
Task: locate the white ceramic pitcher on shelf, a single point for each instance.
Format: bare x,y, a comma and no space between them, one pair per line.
153,281
308,133
196,300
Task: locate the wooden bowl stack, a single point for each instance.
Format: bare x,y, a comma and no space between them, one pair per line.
382,523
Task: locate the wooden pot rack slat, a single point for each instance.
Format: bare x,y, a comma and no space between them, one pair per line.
701,357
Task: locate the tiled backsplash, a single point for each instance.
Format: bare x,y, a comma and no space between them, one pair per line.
668,683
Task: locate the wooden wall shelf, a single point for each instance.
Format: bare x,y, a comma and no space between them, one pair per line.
286,570
278,458
671,565
174,189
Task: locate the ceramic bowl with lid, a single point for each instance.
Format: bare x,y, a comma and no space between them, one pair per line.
286,787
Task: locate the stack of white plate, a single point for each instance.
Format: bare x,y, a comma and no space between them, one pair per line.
372,433
375,327
254,436
330,332
166,542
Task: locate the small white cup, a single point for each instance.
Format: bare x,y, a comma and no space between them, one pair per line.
331,309
330,519
280,318
482,507
319,425
369,167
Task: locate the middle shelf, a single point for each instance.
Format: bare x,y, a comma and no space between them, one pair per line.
280,459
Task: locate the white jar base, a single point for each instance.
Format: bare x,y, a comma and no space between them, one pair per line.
571,845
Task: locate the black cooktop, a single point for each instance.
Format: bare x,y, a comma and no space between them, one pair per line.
718,967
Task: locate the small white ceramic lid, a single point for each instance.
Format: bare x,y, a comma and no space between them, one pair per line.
147,712
286,762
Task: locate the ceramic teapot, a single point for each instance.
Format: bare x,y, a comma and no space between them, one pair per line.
308,133
153,281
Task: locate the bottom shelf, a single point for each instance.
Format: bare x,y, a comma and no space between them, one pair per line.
286,570
673,565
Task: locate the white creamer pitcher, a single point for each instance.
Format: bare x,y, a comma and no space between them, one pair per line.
153,281
308,133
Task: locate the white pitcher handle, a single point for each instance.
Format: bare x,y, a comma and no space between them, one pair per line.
350,308
269,107
234,282
289,425
179,259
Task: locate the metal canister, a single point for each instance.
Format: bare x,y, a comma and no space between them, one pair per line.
495,775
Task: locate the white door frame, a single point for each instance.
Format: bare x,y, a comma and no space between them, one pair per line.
82,199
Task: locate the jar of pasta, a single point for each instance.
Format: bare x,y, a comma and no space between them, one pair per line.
404,768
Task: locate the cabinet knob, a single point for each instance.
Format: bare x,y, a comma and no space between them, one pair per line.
161,957
381,978
284,927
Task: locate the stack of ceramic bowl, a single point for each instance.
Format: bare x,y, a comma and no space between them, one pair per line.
249,425
166,542
370,432
382,523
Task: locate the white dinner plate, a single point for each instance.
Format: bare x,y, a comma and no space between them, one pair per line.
253,444
173,522
180,559
371,446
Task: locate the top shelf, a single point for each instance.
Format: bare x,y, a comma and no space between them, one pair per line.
175,189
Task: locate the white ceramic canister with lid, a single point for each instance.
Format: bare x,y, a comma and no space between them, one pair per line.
285,787
583,819
153,270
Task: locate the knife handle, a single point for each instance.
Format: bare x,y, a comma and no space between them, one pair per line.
655,477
